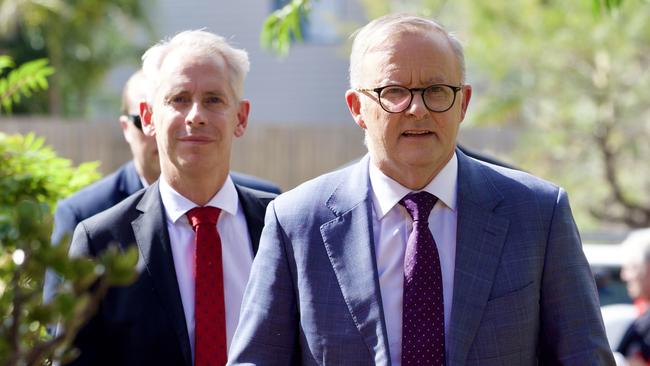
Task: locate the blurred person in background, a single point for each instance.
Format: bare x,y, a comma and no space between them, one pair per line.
635,344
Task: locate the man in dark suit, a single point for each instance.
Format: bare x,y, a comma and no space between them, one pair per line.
131,177
196,230
418,254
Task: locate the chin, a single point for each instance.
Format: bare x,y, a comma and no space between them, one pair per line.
421,158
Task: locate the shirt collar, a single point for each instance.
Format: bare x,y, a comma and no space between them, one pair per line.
386,192
176,205
143,181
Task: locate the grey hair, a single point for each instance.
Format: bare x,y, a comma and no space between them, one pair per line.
376,31
636,246
203,42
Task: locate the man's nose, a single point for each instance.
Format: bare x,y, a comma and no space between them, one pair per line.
417,108
195,115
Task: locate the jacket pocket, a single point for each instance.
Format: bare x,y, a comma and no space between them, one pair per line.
509,326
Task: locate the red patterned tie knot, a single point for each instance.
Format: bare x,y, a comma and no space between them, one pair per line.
203,215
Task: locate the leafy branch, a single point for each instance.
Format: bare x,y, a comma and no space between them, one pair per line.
32,179
283,27
609,6
22,81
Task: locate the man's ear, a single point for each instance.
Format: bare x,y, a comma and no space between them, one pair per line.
464,102
354,105
242,117
146,116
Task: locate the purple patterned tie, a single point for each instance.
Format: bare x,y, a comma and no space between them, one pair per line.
423,317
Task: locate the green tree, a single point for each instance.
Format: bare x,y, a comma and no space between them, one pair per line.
575,77
32,179
22,81
83,39
576,80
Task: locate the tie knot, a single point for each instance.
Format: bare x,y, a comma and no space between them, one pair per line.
419,205
203,215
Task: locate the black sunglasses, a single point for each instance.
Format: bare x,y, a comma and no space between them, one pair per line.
135,118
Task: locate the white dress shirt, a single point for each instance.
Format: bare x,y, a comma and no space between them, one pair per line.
236,250
392,226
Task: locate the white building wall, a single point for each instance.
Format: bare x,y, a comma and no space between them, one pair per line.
307,86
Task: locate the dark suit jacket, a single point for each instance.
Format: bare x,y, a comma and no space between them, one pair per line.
144,323
523,292
105,194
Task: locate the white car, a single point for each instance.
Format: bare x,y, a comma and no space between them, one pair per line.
616,306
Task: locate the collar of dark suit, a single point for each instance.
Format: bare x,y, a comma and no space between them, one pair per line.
253,203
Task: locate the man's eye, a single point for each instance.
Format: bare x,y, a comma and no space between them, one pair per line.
179,99
213,100
395,92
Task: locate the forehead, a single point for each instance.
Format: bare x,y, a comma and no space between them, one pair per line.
183,68
412,58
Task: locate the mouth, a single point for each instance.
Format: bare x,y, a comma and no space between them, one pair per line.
195,139
417,133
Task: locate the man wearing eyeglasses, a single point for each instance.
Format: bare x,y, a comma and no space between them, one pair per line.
418,254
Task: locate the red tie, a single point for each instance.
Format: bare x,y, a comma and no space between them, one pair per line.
209,307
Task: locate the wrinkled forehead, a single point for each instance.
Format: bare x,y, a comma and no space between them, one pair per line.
180,60
190,70
412,57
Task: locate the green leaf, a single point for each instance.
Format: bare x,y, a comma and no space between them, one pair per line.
28,78
283,27
6,62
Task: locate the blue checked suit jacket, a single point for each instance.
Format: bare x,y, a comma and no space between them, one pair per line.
523,290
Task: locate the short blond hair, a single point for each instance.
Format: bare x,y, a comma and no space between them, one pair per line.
203,42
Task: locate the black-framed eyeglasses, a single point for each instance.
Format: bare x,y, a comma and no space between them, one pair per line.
137,122
396,98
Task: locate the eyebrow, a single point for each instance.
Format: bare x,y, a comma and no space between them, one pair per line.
181,90
215,92
175,91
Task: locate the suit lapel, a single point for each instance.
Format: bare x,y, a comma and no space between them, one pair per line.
349,244
480,238
155,250
254,208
